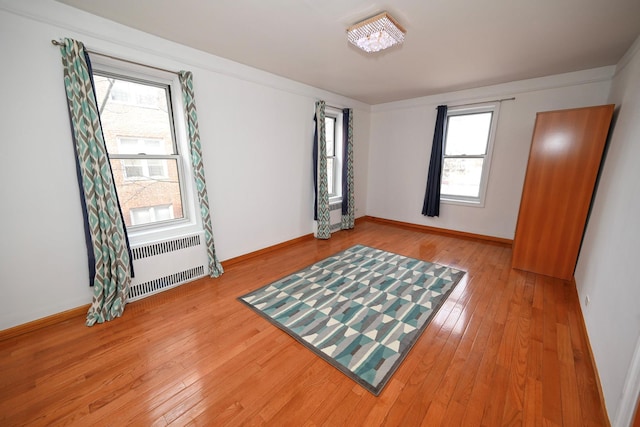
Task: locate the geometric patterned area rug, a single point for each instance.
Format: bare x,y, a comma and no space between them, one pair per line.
361,309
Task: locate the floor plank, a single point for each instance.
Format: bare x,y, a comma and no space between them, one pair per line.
506,348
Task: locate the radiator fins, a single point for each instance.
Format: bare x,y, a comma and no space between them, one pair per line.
165,247
154,286
163,265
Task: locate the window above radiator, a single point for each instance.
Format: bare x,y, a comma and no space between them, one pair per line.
144,129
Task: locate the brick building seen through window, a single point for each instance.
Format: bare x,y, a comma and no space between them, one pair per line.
138,129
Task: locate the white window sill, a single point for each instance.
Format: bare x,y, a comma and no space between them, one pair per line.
458,202
145,235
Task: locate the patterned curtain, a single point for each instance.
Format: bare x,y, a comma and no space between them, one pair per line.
348,205
186,83
321,204
108,237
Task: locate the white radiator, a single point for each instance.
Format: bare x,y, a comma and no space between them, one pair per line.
166,264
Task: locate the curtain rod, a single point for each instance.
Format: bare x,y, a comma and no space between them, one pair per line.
57,43
483,102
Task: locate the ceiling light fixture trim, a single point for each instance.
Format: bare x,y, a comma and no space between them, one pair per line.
376,33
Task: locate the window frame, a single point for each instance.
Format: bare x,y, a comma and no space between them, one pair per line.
338,151
190,222
479,201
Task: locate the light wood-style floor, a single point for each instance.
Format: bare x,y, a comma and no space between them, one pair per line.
507,348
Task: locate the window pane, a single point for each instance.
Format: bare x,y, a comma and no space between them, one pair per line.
147,189
132,168
157,168
163,213
139,216
149,214
330,177
143,146
128,146
155,146
143,125
124,91
137,122
461,177
330,133
467,134
119,93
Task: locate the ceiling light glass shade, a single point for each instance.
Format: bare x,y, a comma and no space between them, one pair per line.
376,33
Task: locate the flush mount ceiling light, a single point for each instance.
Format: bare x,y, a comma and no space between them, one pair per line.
376,33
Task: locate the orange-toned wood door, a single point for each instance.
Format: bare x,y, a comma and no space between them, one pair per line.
565,156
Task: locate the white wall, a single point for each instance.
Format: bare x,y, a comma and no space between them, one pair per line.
607,267
42,255
256,129
43,267
402,132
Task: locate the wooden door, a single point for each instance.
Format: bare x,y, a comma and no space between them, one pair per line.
564,160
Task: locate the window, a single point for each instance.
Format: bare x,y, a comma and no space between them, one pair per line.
127,92
138,126
150,214
468,143
142,168
330,130
333,136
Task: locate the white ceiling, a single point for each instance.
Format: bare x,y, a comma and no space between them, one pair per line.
450,44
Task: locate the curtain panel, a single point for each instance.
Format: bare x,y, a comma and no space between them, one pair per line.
348,203
321,208
191,117
431,204
109,242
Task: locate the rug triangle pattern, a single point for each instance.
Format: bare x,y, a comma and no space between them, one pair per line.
361,309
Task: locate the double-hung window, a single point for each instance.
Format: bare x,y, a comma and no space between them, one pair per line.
145,149
333,136
468,143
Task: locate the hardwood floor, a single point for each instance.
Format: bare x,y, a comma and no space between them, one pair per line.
507,348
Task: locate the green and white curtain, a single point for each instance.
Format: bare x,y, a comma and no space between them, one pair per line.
321,202
321,208
104,219
186,84
348,203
